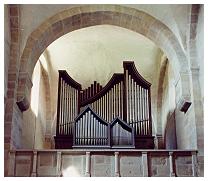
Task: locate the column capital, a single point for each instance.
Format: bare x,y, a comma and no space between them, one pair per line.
116,153
144,152
23,91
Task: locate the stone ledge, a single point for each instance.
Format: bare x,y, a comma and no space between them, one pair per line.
184,104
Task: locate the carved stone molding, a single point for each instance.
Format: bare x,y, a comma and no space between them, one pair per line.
23,91
184,103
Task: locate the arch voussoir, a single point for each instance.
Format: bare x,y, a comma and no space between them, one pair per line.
91,15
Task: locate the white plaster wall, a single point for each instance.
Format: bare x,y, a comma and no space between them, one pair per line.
95,53
200,48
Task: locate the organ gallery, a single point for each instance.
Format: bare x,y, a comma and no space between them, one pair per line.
72,107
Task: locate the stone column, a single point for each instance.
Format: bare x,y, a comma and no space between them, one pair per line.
117,170
34,168
145,164
172,174
199,119
11,172
87,173
58,164
194,164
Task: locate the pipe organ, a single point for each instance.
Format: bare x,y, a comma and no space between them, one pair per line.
108,101
67,109
122,134
90,130
126,98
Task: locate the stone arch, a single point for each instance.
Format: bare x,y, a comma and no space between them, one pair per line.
47,93
91,15
163,67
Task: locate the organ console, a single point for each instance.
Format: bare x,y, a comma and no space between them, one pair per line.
116,115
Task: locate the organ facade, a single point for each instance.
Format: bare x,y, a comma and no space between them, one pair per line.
116,115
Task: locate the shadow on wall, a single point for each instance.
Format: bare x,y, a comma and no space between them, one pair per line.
170,140
34,124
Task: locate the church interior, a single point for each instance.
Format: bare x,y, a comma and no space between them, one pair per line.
97,90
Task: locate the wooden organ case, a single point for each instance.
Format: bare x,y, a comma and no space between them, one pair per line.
117,115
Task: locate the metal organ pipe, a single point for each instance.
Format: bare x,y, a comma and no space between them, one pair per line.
98,133
132,100
135,104
119,99
146,121
91,128
113,104
69,116
88,123
116,98
94,131
104,107
63,108
127,110
110,105
64,118
129,98
101,108
114,95
70,108
72,104
140,109
121,94
148,112
144,111
60,107
67,111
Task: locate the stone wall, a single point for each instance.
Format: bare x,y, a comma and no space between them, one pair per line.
28,126
131,165
166,106
34,124
160,166
12,116
102,165
184,166
170,132
7,40
168,96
